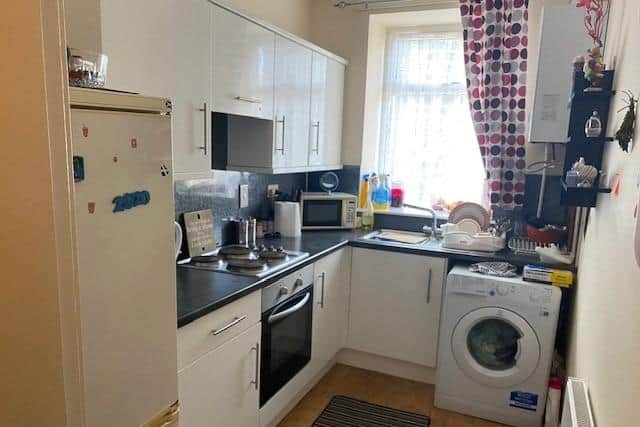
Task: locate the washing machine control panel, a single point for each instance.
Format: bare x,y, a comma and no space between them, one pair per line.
514,291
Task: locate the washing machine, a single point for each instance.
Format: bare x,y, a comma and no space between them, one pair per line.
495,347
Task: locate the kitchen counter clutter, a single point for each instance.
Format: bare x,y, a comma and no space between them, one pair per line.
201,292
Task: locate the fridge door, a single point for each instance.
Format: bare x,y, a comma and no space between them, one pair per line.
125,238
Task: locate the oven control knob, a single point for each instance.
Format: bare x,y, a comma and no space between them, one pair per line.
280,249
298,283
271,249
283,291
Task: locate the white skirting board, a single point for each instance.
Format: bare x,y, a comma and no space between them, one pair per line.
385,365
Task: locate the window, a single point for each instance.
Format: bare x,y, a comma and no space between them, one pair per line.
427,139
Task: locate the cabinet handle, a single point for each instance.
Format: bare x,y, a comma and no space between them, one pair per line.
204,147
317,126
322,276
248,99
429,288
231,324
255,378
283,123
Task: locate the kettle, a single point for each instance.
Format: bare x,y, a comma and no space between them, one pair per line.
177,238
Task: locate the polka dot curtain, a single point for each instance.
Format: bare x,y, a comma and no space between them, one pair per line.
495,55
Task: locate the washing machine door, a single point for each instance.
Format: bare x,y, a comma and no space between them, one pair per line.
495,347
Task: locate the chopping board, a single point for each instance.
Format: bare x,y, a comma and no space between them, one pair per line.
201,236
401,237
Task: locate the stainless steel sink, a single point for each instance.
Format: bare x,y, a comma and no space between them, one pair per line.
376,236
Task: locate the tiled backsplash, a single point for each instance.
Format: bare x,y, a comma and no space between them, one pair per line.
220,193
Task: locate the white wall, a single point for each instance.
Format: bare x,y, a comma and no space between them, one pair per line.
293,16
605,335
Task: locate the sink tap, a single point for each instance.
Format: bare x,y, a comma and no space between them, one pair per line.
434,224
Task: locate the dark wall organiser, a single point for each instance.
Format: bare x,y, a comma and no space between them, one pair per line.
583,104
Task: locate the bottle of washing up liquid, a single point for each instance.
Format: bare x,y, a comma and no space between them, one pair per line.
380,195
364,191
368,213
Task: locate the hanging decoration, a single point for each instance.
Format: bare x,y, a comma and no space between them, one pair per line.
624,135
595,18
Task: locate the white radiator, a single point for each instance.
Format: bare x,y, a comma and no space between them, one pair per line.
576,411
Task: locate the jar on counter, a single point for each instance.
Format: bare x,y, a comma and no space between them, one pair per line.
397,194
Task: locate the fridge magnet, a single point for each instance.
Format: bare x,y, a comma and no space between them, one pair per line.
115,159
624,135
85,131
128,201
91,207
164,170
134,143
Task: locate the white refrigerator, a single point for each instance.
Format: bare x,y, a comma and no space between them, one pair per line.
123,195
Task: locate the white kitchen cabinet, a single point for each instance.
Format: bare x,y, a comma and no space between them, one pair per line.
331,309
325,137
220,388
293,98
165,50
395,305
243,65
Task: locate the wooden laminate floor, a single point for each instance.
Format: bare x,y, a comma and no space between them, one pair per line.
376,388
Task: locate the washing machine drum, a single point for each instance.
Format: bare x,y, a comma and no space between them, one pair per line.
495,347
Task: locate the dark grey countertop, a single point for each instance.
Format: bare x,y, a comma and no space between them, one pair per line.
200,292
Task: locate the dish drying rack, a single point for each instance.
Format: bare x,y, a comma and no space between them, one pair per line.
525,246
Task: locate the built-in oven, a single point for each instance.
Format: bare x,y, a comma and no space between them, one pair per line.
328,211
287,308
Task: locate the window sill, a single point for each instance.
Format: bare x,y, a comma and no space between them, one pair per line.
412,212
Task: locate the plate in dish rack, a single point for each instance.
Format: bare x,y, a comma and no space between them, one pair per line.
470,211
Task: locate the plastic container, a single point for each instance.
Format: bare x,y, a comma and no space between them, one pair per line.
552,411
380,195
87,69
364,191
368,215
397,194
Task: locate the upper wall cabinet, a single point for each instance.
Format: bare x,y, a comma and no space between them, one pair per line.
145,56
327,86
293,99
243,65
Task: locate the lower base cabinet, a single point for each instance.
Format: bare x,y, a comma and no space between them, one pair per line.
221,388
395,305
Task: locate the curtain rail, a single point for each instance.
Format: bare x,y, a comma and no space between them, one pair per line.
387,4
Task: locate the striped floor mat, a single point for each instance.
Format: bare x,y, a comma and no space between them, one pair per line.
343,411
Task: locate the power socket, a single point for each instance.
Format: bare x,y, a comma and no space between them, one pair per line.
244,196
272,191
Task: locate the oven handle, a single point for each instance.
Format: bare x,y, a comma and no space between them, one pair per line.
277,316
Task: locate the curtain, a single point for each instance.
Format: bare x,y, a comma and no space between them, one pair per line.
426,135
495,56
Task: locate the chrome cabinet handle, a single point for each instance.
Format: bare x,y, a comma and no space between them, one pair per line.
248,99
317,126
204,147
322,276
284,124
231,324
429,288
255,378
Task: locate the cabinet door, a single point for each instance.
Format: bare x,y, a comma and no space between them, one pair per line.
330,321
243,62
325,137
395,305
293,98
156,56
220,388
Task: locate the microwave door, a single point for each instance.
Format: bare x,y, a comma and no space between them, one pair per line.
322,213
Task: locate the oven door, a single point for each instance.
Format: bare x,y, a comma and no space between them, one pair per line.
286,342
322,213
